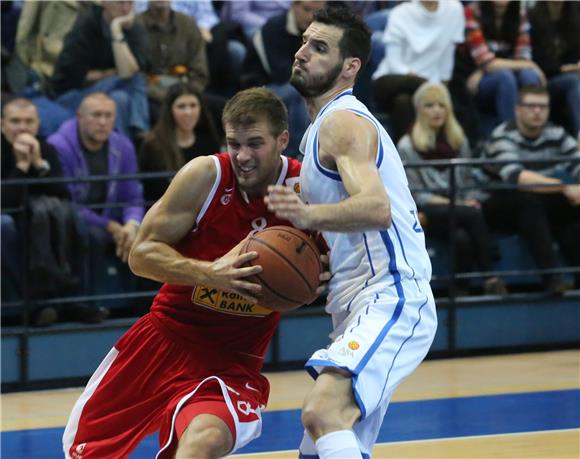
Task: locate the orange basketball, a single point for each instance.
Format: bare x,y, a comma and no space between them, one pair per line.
291,267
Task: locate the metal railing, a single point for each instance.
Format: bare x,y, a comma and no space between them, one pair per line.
26,303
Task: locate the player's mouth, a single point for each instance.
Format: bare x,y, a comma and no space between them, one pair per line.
246,171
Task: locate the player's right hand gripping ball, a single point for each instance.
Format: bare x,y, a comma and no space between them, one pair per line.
291,267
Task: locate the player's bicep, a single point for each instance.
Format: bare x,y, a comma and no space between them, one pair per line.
175,214
352,142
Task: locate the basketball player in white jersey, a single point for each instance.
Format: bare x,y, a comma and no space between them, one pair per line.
354,190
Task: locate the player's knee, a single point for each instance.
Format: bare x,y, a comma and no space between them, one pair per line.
209,443
321,415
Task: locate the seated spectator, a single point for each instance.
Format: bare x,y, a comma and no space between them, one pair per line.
497,56
436,134
183,132
176,49
50,269
270,58
556,49
545,205
88,146
225,44
253,14
420,39
176,52
39,38
105,51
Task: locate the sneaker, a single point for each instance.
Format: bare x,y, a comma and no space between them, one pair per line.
495,286
44,317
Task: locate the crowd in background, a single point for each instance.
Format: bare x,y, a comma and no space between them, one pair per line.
102,89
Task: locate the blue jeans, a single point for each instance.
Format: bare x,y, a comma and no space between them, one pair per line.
566,87
129,94
298,120
499,90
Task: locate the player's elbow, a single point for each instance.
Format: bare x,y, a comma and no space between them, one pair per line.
136,259
383,215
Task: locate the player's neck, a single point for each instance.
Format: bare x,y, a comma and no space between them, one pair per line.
315,104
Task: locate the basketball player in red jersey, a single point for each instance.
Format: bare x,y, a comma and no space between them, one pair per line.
191,367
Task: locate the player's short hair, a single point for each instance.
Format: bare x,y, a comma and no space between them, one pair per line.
356,37
253,105
20,102
538,90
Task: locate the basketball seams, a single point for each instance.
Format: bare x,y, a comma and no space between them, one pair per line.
299,235
288,261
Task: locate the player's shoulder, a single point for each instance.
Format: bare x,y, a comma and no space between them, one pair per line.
344,125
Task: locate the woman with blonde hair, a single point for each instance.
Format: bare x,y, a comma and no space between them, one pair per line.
436,135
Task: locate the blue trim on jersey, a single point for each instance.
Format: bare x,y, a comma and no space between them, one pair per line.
368,117
316,456
321,363
397,278
368,253
358,399
348,92
330,174
402,248
403,343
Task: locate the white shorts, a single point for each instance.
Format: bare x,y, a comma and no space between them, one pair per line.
382,343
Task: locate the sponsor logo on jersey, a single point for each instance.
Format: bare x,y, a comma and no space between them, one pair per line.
353,345
227,302
226,199
78,451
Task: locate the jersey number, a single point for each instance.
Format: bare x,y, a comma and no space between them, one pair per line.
416,226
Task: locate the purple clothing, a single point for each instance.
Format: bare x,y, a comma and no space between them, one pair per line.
122,161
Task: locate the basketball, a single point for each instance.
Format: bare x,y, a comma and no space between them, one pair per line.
291,267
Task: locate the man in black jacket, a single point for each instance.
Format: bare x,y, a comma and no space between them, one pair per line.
25,156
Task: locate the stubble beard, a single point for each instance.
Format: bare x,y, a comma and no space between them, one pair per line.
317,85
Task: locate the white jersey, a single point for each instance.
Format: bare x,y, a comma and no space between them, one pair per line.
364,264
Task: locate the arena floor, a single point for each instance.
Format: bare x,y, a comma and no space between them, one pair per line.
519,406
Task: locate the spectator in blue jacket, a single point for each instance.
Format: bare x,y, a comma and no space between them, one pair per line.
88,146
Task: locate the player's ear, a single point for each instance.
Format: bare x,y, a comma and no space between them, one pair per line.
352,66
283,140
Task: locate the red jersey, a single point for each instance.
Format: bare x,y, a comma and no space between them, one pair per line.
204,315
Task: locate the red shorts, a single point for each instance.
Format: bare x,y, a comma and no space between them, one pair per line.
148,383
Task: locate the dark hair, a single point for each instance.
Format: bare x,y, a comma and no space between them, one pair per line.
163,138
539,90
356,37
566,27
253,105
510,24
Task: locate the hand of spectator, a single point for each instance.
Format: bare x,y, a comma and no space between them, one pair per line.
122,23
27,151
123,235
572,193
472,203
570,67
206,35
472,82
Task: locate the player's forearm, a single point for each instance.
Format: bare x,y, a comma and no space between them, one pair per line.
357,213
162,263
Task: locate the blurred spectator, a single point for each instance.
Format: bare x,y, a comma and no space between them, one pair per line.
40,36
253,14
498,55
545,205
184,131
88,146
176,49
270,58
105,52
10,12
225,44
436,134
556,49
420,40
52,252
